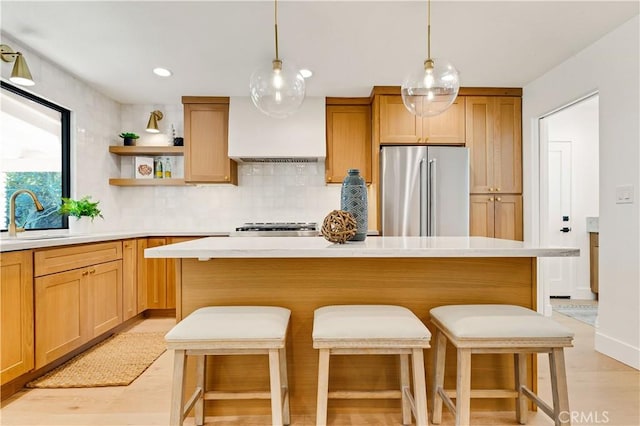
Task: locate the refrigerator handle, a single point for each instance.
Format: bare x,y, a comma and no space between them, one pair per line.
423,197
433,208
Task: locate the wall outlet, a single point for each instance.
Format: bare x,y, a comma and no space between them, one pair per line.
624,194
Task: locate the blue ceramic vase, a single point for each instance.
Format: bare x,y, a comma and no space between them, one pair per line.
353,199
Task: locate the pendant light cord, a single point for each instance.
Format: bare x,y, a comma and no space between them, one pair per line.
276,26
428,29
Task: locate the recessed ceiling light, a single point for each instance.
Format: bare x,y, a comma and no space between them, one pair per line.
306,73
162,72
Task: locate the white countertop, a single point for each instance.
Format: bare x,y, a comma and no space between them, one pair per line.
317,247
39,239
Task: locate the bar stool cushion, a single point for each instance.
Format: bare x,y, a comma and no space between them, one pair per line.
497,322
232,323
383,322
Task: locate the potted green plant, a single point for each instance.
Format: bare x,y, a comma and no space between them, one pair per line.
129,138
83,207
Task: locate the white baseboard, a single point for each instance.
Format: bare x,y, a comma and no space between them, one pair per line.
617,350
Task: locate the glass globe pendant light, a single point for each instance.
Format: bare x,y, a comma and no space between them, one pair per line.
431,89
278,89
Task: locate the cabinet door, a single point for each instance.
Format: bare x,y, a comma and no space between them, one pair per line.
348,141
448,127
397,124
16,304
508,217
152,275
481,216
479,132
507,145
61,312
171,273
206,148
129,279
104,283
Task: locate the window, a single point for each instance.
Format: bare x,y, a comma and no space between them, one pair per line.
34,155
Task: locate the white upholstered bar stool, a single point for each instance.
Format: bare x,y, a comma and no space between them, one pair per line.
481,329
229,330
366,330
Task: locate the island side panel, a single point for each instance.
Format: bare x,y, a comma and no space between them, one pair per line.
303,285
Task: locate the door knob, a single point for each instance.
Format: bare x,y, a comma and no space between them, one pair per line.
565,229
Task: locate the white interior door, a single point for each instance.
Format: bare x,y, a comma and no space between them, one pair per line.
558,271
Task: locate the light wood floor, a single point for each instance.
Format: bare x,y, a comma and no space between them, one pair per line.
601,391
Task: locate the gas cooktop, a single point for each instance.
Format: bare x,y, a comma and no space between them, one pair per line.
277,229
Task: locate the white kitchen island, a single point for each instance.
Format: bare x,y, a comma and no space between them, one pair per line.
305,273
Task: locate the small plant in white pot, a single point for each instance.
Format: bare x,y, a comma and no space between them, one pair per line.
84,210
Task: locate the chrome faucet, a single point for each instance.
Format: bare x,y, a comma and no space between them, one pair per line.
13,229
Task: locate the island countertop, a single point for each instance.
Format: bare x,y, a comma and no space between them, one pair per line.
381,247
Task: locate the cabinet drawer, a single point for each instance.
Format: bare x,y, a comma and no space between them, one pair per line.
51,261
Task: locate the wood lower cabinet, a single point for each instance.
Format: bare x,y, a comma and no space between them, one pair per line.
348,141
496,216
156,277
399,126
494,139
206,129
129,279
16,304
78,296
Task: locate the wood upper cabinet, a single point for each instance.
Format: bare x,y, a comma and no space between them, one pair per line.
129,279
496,216
16,302
494,138
206,123
348,141
399,126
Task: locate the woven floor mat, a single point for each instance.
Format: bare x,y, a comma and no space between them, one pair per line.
117,361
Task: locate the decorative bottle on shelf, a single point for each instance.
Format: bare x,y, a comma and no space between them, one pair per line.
167,168
353,199
159,174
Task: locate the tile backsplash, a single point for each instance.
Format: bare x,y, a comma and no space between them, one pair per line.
266,192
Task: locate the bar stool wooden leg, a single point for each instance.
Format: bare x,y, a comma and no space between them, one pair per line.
323,387
200,383
276,387
520,366
438,380
463,388
419,387
177,398
559,387
286,415
405,383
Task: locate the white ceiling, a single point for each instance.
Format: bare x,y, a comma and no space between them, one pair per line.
212,47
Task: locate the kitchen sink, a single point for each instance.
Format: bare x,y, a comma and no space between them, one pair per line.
40,237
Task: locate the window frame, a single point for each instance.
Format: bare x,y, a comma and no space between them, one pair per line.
65,139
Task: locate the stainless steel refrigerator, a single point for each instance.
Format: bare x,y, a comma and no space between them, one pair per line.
425,191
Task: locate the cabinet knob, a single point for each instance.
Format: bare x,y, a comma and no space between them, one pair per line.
329,178
498,189
226,178
426,139
93,271
498,199
490,198
85,273
490,189
419,140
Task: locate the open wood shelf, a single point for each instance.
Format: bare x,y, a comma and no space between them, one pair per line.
147,150
146,182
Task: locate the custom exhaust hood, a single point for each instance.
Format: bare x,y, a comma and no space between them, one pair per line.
255,137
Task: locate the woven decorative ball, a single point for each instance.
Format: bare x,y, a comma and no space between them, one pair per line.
339,226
